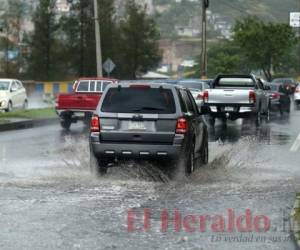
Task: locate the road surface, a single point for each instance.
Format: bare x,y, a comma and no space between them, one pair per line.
50,200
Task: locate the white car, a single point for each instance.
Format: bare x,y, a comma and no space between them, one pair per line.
12,95
297,95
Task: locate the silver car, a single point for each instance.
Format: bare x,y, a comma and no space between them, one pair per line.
197,88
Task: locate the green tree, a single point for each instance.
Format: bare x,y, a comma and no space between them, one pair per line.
264,44
139,49
226,58
41,61
79,32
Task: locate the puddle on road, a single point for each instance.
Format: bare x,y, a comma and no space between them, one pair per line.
239,162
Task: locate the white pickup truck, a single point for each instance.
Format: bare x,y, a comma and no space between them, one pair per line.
237,96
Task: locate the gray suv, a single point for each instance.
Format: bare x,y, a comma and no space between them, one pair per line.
148,121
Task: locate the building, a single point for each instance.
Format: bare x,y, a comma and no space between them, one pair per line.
62,6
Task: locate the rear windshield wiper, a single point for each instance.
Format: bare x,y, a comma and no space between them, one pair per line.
148,109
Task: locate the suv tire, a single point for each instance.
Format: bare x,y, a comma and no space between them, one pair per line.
190,160
204,151
98,166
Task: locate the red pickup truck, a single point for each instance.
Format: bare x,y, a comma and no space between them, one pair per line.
82,102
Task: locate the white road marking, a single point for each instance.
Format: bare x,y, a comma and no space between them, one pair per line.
296,145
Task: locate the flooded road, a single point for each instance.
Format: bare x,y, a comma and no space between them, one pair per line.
50,200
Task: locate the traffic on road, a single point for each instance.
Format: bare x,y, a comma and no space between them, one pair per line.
150,124
157,156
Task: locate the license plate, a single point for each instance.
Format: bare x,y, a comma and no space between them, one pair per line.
136,126
229,109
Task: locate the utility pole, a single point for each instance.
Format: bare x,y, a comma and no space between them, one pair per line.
205,5
98,40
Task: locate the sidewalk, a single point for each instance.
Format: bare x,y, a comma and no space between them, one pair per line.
19,123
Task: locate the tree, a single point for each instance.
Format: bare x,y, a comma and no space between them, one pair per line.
139,50
11,26
41,61
226,58
79,31
264,44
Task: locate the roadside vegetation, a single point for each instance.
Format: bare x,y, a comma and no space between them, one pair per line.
272,48
63,46
297,217
28,114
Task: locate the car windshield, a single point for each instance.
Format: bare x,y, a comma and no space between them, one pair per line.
4,85
139,100
192,85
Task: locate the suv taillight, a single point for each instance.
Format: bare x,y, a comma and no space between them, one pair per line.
95,124
205,96
252,97
181,126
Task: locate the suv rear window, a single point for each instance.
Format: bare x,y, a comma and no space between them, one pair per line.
139,100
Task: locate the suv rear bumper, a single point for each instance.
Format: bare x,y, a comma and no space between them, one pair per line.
125,150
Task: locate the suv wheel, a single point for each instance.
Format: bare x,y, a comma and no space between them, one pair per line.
190,161
98,166
204,151
258,119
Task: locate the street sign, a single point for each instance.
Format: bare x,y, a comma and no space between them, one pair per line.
109,66
295,19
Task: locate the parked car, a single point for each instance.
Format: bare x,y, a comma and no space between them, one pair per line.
82,102
152,121
279,100
288,83
197,88
12,95
297,96
236,96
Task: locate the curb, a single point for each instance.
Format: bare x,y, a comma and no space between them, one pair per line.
28,124
295,225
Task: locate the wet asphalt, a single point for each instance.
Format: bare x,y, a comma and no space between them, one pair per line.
50,200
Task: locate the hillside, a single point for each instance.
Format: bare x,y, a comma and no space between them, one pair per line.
171,14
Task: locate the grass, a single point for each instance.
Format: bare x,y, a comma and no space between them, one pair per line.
29,114
297,216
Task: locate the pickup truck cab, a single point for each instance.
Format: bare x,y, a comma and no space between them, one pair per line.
82,102
237,96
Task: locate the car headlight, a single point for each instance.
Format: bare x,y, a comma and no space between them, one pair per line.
2,103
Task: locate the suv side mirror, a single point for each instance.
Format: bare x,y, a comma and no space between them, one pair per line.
204,110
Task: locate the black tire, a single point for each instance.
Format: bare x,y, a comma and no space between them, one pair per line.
190,161
87,119
258,119
25,104
204,157
66,123
212,121
98,166
10,107
281,109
